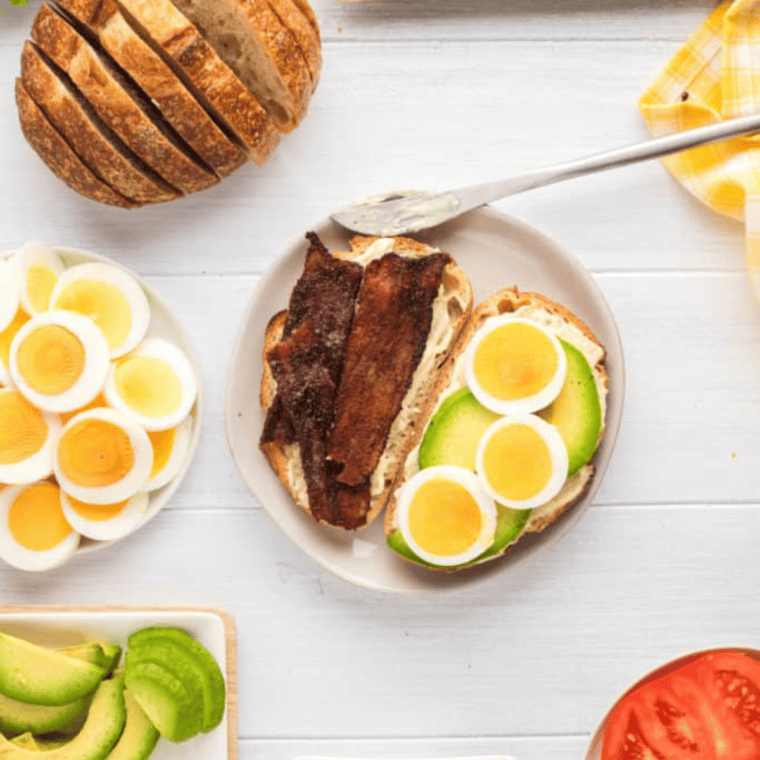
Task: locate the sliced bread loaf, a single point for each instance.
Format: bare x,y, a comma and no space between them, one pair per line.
165,28
102,150
162,85
259,48
119,104
60,158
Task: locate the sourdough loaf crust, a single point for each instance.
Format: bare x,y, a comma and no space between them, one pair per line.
512,301
118,104
311,17
98,147
305,35
60,158
452,308
159,82
249,37
210,79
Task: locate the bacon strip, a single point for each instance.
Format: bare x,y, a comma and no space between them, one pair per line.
386,342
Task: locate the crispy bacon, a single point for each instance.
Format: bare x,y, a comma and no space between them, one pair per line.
386,342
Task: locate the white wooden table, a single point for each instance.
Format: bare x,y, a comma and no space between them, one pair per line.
436,93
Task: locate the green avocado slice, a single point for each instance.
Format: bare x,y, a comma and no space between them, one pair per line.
18,717
99,733
139,737
577,411
99,653
212,680
36,675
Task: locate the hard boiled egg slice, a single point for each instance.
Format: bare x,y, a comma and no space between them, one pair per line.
6,338
110,297
155,385
27,440
59,360
39,267
105,522
522,461
9,286
445,515
34,534
170,449
514,365
102,457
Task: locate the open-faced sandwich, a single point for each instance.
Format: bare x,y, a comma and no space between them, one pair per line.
384,388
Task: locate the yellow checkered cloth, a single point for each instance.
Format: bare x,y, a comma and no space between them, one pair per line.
715,76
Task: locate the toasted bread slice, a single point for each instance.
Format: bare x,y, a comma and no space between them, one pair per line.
306,36
565,324
249,37
173,36
99,148
119,104
159,82
58,155
451,311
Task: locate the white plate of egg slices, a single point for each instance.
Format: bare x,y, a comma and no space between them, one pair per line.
99,404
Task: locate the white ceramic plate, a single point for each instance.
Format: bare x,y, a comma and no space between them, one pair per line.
54,628
495,251
164,323
595,745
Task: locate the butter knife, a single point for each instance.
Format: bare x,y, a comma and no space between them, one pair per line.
399,213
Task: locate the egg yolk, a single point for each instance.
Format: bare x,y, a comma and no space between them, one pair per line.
515,361
517,462
94,453
97,403
50,359
163,443
40,282
23,430
103,303
148,385
444,518
7,336
36,518
96,512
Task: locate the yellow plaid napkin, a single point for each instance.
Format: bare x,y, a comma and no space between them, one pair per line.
715,76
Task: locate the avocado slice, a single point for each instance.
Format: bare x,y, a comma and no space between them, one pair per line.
99,653
17,717
577,411
164,699
139,737
102,728
509,525
26,741
33,674
212,680
454,431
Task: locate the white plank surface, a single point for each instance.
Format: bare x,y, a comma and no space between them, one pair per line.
436,93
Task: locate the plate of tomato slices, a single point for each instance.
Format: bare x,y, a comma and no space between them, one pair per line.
702,706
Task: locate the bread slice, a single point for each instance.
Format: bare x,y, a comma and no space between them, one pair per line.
451,311
311,17
249,37
60,158
157,80
307,38
217,87
564,323
119,104
98,147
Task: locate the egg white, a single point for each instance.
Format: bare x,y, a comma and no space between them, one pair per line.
176,359
132,483
31,254
9,287
96,364
179,452
557,451
468,480
118,526
38,466
129,287
533,403
20,556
